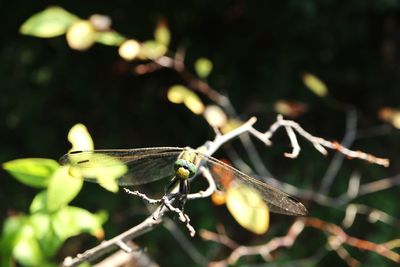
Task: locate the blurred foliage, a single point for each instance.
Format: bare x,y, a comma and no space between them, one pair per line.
34,239
259,53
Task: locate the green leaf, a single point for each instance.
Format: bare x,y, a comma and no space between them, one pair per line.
70,221
111,38
51,22
152,50
162,34
203,67
34,172
48,240
62,189
39,203
26,248
11,228
315,85
180,94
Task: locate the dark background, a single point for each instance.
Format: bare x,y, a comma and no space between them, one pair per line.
259,50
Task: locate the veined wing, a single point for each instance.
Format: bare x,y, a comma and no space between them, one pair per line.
143,165
277,201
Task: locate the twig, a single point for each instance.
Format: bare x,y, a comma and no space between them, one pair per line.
263,250
336,163
342,238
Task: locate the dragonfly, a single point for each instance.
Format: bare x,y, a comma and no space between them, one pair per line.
145,165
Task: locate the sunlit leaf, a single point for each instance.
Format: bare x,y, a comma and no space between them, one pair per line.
107,176
162,34
80,138
203,67
290,109
44,233
70,221
152,50
40,223
11,229
81,35
39,203
111,38
129,49
26,248
313,83
215,116
177,93
248,208
62,189
51,22
34,172
194,104
180,94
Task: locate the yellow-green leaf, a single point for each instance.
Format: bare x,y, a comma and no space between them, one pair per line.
70,221
81,35
106,175
203,67
38,203
26,248
62,189
180,94
51,22
34,172
80,138
111,38
162,34
248,208
129,50
313,83
215,116
152,50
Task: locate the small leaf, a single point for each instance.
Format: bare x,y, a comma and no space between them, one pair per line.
180,94
39,203
215,116
203,67
194,104
111,38
34,172
80,138
313,83
106,175
62,189
26,248
51,22
11,229
162,34
152,50
41,223
70,221
177,93
129,49
248,208
81,35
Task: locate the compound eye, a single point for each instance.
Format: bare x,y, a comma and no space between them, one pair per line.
179,163
192,169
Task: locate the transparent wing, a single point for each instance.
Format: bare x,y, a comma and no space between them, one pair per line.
143,165
277,201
